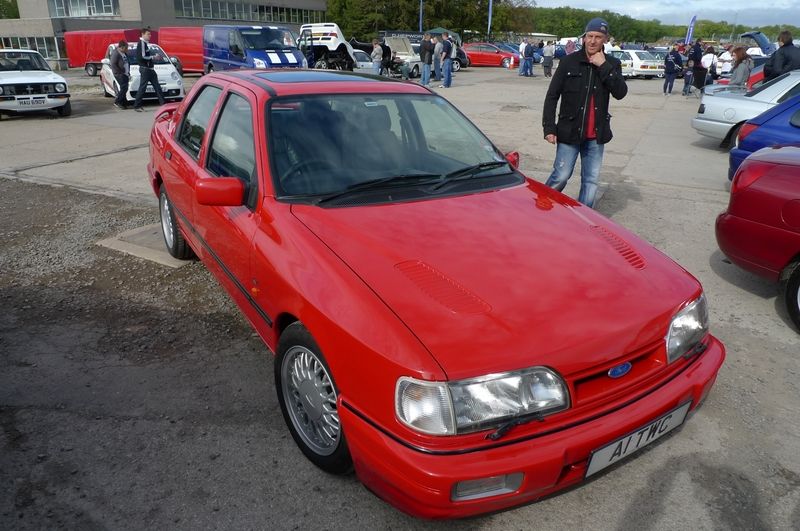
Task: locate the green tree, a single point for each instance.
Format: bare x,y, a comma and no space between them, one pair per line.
9,9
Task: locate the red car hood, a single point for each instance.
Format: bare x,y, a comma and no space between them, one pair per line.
508,279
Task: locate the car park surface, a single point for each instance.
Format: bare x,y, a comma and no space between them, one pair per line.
134,395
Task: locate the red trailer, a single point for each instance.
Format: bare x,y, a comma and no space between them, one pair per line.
88,48
185,43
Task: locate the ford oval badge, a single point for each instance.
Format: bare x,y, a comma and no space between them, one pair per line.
620,370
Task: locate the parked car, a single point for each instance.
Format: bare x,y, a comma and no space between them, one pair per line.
27,84
86,49
514,48
639,63
235,47
363,62
486,54
753,81
405,53
462,60
760,230
169,79
775,126
455,381
722,113
324,46
185,45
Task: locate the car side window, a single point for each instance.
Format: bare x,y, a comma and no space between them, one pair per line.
232,152
195,122
794,91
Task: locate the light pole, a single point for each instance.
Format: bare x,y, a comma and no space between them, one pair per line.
420,15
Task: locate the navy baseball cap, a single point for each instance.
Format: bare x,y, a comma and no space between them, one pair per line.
597,24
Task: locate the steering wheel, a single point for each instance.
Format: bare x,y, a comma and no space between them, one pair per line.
301,172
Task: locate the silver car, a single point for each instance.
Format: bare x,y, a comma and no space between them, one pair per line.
723,112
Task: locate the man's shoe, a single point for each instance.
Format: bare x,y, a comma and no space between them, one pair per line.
138,109
118,106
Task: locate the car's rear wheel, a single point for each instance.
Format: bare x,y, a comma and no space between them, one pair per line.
64,110
791,293
308,396
456,65
173,238
91,69
505,62
415,72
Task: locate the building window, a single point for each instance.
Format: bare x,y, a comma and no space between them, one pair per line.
82,8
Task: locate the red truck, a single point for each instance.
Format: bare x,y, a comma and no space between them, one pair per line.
88,48
185,43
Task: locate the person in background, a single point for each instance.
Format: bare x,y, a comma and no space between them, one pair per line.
528,57
582,129
696,55
447,61
709,62
548,52
570,48
785,59
377,57
147,74
673,64
688,77
726,60
522,46
426,56
437,58
742,66
122,73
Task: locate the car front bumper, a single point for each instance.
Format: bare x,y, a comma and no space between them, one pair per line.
420,483
33,102
711,128
171,91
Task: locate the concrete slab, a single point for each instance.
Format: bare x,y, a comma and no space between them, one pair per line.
144,242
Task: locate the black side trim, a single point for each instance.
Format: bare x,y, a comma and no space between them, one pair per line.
531,437
255,80
224,268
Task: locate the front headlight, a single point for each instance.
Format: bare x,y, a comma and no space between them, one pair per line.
688,328
174,76
60,87
259,63
441,408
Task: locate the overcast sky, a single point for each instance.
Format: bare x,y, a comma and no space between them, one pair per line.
746,12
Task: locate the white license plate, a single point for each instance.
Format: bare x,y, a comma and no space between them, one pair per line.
625,446
32,102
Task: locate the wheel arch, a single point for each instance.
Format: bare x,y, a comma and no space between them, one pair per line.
726,142
789,268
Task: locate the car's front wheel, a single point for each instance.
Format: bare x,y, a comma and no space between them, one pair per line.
505,62
456,65
64,110
173,238
415,72
91,69
791,293
308,396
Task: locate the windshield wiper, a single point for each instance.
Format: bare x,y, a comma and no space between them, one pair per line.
408,178
506,427
469,172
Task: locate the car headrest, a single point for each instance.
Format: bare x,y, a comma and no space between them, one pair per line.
377,118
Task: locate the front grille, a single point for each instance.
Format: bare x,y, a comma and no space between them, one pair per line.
24,89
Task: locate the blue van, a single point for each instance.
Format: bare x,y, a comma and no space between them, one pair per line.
229,47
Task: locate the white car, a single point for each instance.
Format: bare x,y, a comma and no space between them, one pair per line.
639,63
406,52
27,84
363,62
721,113
168,77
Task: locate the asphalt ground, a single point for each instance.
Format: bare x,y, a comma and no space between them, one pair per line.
133,395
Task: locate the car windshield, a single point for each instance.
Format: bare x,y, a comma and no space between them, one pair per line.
22,61
267,38
327,144
159,56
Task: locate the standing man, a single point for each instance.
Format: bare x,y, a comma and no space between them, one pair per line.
673,64
447,61
437,58
548,52
528,58
785,59
522,46
583,82
122,71
426,56
377,57
147,73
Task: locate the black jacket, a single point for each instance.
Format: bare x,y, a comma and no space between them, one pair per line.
785,59
143,57
673,62
575,79
426,52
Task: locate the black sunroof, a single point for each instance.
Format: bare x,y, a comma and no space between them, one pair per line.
306,76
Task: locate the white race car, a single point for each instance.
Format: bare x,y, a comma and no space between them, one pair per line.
168,77
27,84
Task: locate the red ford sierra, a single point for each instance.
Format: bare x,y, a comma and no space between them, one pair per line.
463,337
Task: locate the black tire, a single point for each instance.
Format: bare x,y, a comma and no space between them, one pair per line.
64,110
91,69
791,293
648,77
456,65
415,72
730,139
301,370
321,63
505,62
173,237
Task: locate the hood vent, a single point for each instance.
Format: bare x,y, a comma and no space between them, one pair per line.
442,289
621,246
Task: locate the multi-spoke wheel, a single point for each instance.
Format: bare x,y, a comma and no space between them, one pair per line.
307,395
173,238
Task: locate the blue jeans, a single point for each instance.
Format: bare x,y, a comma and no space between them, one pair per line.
591,159
426,73
376,68
521,65
437,69
448,72
528,66
669,79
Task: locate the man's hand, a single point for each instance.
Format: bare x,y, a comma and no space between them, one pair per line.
598,59
551,138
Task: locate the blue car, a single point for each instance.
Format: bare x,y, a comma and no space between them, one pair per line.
776,126
234,47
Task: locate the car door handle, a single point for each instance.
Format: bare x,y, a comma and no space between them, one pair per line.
168,155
